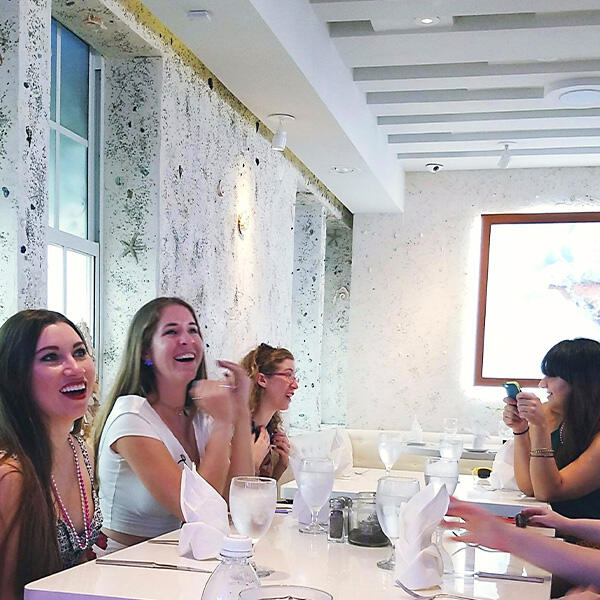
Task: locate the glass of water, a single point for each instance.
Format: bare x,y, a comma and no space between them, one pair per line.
450,425
441,471
252,502
451,447
392,494
315,482
389,446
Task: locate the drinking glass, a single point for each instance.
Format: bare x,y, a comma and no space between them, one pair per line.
315,482
252,502
450,426
392,494
441,471
389,446
451,447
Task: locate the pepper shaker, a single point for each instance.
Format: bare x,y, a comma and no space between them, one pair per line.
338,519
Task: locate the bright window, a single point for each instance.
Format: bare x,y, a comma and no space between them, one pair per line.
73,248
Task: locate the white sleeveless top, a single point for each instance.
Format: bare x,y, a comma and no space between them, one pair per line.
127,506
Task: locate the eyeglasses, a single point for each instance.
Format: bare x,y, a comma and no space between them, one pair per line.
291,377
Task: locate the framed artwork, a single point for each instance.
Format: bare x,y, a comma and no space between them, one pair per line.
539,284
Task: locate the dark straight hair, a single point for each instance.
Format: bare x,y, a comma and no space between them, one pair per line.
25,441
577,361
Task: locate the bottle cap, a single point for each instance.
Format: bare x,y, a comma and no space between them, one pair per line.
236,546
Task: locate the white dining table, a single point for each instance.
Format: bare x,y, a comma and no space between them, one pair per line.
503,503
347,572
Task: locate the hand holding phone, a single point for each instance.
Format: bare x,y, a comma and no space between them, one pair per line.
512,389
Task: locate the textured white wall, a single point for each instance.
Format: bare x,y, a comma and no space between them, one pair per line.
307,311
190,183
336,314
414,293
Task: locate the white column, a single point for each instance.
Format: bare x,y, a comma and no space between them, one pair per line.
307,310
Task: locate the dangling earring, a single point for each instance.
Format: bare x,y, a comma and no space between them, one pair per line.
148,363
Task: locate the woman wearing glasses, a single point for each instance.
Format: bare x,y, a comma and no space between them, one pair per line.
273,374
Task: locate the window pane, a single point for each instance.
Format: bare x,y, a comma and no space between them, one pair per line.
72,189
73,83
55,278
53,74
52,179
80,288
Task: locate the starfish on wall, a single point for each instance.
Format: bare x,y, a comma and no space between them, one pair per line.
133,246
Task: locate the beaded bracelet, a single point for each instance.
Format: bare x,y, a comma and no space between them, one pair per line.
521,432
542,453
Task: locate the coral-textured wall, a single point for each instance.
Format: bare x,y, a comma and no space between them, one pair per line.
195,203
414,293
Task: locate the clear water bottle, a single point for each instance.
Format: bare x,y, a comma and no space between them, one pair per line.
234,573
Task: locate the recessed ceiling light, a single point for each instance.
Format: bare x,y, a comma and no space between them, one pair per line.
576,93
343,170
581,97
427,20
203,15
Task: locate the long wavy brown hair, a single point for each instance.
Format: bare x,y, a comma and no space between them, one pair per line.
264,359
25,442
135,376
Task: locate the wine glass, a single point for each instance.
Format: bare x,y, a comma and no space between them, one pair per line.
389,446
439,472
252,502
315,482
392,494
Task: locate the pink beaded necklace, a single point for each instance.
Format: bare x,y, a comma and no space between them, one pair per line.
87,521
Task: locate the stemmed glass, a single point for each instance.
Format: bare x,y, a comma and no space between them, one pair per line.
252,502
389,446
392,494
439,472
315,482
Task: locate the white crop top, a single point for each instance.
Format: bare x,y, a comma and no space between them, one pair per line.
127,506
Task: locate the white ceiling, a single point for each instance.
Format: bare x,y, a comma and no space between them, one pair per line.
373,89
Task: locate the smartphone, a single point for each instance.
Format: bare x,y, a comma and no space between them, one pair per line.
512,389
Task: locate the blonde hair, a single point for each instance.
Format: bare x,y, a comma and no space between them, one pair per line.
264,359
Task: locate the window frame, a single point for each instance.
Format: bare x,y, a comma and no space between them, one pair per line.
89,246
487,221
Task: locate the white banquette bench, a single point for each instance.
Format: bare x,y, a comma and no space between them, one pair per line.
364,449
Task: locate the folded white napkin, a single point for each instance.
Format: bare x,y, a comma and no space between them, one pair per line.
418,561
329,443
205,513
503,470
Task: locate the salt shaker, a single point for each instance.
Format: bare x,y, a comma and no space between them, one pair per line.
337,530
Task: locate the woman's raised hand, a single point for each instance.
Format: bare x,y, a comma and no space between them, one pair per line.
282,447
511,417
529,407
215,398
239,384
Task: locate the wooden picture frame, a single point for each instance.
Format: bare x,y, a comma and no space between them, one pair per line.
544,287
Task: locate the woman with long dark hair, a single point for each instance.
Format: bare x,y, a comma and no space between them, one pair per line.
557,443
49,513
164,414
273,373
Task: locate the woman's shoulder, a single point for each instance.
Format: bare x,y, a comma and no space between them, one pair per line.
11,478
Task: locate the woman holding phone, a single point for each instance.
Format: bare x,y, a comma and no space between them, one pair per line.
557,443
163,415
